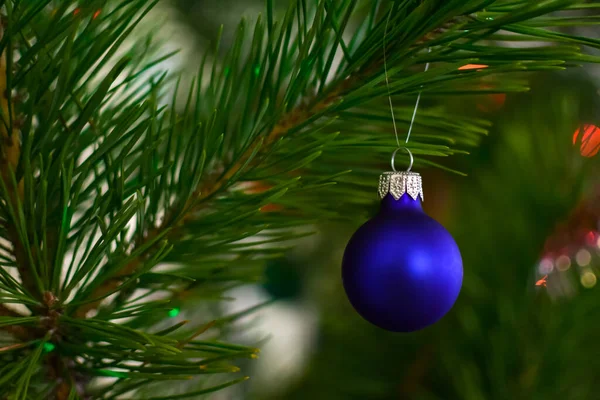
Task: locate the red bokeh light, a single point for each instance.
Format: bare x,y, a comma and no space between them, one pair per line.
589,137
492,102
590,238
96,14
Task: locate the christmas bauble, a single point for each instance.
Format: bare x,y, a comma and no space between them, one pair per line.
402,270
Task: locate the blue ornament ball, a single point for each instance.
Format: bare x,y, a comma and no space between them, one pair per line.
402,270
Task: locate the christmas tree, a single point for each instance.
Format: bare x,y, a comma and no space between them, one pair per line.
129,211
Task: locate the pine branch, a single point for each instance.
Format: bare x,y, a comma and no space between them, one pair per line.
214,184
111,184
306,110
10,151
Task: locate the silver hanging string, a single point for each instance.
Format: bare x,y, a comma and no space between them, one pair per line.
387,83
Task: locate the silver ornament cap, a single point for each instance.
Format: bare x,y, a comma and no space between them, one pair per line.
398,183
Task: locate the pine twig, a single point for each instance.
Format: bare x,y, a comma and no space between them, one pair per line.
212,186
10,152
216,181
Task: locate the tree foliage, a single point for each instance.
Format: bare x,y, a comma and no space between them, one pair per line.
121,203
530,199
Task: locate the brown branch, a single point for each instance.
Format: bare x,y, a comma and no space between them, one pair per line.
60,373
13,347
10,152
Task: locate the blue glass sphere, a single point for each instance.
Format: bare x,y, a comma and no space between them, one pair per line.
402,270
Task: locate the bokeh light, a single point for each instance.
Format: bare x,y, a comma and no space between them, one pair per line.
546,266
588,279
48,347
491,102
590,238
583,258
590,140
563,263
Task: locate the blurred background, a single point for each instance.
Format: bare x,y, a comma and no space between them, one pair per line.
526,217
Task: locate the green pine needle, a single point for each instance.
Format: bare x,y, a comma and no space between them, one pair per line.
124,206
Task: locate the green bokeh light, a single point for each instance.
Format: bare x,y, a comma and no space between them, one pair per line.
174,312
48,347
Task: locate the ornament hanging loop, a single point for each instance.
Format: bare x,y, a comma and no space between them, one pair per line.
394,158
